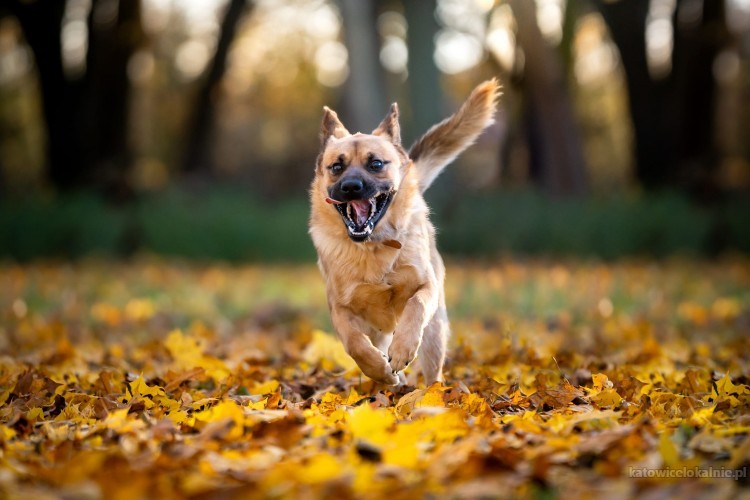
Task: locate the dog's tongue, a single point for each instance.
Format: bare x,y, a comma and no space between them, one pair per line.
362,209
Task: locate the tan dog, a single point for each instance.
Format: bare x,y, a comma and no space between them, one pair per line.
375,243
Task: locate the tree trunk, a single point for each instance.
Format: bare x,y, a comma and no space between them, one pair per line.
86,118
197,159
673,118
41,23
108,95
653,137
695,50
364,94
557,162
425,94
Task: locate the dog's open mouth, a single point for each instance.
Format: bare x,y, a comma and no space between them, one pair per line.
361,216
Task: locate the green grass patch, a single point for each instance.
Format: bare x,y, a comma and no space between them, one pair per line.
232,224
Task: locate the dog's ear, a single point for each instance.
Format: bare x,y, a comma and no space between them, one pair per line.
389,126
331,126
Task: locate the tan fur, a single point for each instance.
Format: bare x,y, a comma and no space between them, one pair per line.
386,294
445,141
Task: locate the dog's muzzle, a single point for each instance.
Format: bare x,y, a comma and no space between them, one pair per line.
360,206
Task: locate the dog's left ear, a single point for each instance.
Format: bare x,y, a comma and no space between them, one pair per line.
331,126
389,126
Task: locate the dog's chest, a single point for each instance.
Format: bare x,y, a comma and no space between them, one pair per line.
381,304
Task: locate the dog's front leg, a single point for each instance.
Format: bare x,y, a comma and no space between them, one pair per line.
358,345
408,335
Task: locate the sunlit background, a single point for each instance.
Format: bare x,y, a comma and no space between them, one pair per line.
601,99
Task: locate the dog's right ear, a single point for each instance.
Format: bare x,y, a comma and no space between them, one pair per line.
390,127
331,126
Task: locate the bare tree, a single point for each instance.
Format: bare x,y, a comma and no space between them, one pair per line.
673,117
364,95
557,162
425,94
198,142
86,118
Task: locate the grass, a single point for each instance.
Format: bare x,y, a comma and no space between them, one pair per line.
230,224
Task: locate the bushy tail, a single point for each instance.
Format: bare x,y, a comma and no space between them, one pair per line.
445,141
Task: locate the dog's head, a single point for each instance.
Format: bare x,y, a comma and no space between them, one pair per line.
359,174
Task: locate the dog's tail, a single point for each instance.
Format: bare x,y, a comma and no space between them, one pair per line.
445,141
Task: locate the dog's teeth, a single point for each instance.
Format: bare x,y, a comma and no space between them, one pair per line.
373,209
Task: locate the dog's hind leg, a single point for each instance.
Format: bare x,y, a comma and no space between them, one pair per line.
432,350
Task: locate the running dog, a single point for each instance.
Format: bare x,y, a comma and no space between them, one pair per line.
376,245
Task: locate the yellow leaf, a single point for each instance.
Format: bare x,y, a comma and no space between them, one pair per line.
364,479
725,389
694,312
139,309
328,403
418,398
34,415
371,425
726,308
600,381
353,397
259,405
476,406
702,416
180,417
607,398
732,430
6,433
433,397
669,454
404,451
327,351
187,353
225,410
445,427
265,387
140,388
407,402
118,421
106,313
524,422
320,468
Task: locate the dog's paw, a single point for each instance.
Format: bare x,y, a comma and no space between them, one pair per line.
401,353
387,376
390,379
381,372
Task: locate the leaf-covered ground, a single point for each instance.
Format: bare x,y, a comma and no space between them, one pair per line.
162,379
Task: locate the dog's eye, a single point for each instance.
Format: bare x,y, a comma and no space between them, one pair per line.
376,165
336,168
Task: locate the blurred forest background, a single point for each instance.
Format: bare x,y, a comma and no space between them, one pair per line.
189,127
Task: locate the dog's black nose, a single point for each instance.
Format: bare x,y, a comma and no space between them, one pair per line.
352,186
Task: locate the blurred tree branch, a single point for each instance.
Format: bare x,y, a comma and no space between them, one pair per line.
425,94
42,23
197,159
555,148
86,117
364,95
673,116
